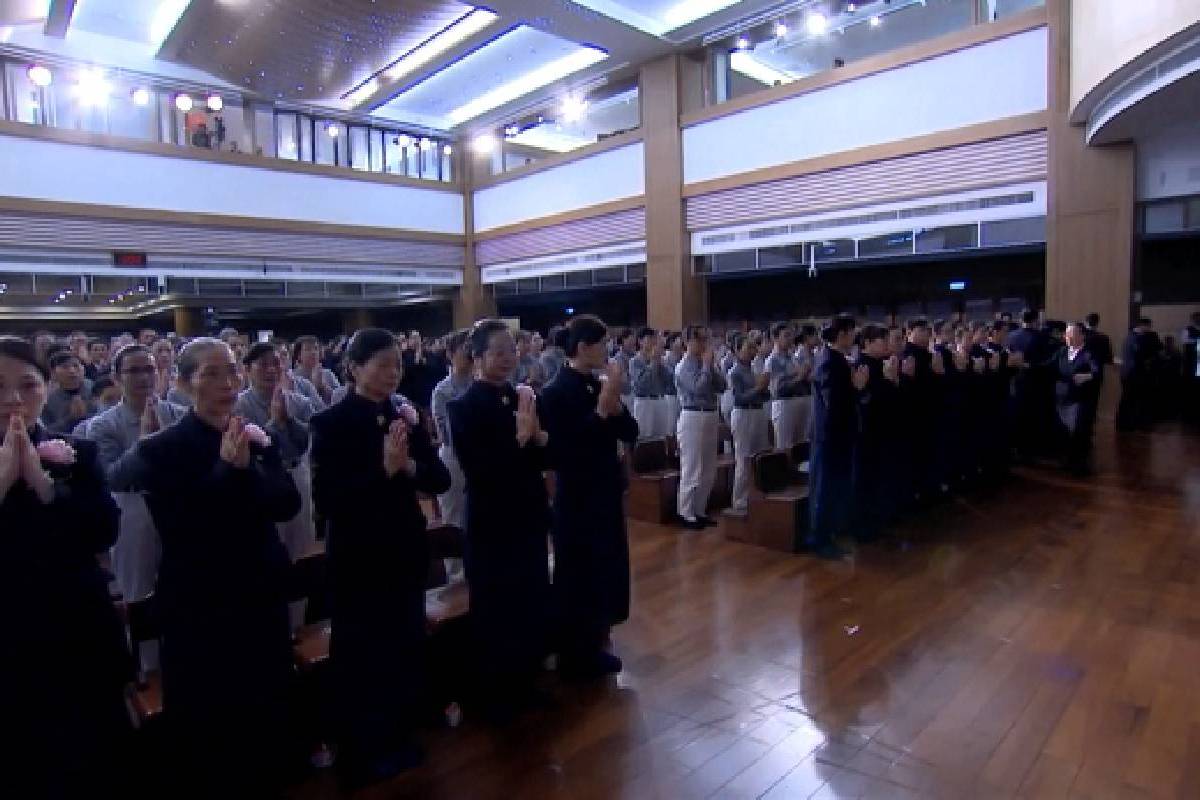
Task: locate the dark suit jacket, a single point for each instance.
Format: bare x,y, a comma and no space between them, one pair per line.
1067,391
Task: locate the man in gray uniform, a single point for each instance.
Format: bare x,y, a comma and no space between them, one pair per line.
627,349
649,377
699,383
555,354
462,372
748,420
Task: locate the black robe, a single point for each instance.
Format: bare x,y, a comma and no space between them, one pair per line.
1077,405
920,399
378,566
65,663
508,520
591,551
831,468
877,484
223,598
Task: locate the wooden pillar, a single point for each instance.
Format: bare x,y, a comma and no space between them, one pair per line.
356,319
1090,214
188,321
675,297
474,301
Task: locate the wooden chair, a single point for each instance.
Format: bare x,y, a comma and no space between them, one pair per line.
778,513
653,483
144,696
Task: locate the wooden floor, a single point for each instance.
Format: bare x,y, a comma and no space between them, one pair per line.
1042,640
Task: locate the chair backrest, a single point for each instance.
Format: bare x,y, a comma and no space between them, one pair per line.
772,471
650,455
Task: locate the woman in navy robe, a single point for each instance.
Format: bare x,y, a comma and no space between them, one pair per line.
586,420
65,664
502,450
370,458
216,489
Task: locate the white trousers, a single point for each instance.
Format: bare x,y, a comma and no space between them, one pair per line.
790,419
699,433
653,417
726,405
749,438
672,412
137,551
299,533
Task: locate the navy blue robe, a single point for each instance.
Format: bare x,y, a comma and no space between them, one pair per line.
831,468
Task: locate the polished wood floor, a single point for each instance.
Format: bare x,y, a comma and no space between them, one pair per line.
1040,640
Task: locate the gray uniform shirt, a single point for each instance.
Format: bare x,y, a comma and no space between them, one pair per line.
623,359
785,376
698,386
743,382
293,437
552,361
649,379
116,432
448,389
56,415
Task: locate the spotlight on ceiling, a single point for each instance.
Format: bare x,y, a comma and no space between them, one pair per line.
141,97
573,109
816,23
40,76
215,102
183,102
851,7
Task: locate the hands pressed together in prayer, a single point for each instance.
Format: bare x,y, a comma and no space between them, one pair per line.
529,427
19,460
609,404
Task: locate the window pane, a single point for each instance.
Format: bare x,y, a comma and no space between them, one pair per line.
957,237
376,154
285,136
359,155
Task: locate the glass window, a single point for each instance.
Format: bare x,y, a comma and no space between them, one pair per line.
999,9
735,262
330,145
359,155
889,244
376,150
29,103
307,132
956,237
286,141
394,160
128,118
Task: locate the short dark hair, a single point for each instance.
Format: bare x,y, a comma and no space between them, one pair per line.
837,326
481,335
1092,319
872,332
522,336
939,325
738,341
125,352
367,342
587,329
558,337
455,340
916,322
298,345
644,332
61,357
693,332
21,350
808,329
1029,316
257,351
778,328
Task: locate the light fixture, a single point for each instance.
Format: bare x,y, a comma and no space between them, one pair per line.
547,73
751,67
332,130
876,21
40,76
511,131
689,11
573,109
426,144
403,140
141,97
457,32
92,88
183,102
780,30
215,102
364,92
165,18
816,23
742,43
851,7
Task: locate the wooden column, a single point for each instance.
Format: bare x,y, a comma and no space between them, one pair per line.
1090,219
473,301
188,322
674,296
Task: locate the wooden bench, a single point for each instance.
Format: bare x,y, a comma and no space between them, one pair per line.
653,483
778,513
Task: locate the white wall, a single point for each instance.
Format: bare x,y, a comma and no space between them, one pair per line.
991,81
77,174
1169,162
611,175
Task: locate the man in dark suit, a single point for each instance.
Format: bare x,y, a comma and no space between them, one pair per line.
1077,391
1098,345
1139,360
1033,386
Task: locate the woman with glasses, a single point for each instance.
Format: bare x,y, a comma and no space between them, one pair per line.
501,447
370,458
65,662
216,489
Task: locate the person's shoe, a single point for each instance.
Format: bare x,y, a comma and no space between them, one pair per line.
707,522
692,525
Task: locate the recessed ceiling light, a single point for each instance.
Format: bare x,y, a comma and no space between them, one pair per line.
546,74
426,144
816,23
403,140
141,97
215,102
456,33
40,76
852,7
183,102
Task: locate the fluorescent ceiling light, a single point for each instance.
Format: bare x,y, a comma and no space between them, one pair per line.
364,92
542,76
456,33
689,11
751,67
682,12
816,23
165,18
573,109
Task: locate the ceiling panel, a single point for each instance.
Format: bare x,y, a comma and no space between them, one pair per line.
657,17
514,61
122,19
303,49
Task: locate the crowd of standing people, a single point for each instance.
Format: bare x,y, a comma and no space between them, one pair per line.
202,469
